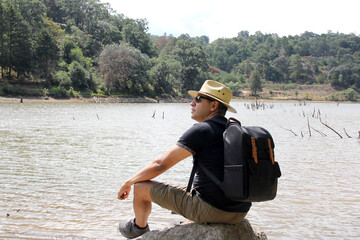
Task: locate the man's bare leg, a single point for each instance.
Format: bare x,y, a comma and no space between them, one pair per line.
142,202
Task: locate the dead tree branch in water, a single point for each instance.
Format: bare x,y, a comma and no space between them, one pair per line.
330,128
309,126
319,114
321,133
289,130
347,134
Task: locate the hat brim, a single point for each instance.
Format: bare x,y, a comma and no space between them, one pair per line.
194,94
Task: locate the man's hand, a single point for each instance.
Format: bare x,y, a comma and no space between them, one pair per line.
124,192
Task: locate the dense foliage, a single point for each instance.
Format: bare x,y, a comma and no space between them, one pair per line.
309,58
67,46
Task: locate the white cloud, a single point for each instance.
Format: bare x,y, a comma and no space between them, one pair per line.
226,18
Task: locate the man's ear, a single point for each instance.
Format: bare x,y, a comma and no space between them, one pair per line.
214,106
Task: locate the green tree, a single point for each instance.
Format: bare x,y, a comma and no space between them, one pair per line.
193,60
161,75
350,94
76,54
19,45
255,83
95,12
33,12
134,33
296,68
84,14
53,10
124,67
73,12
246,67
202,40
320,47
3,36
232,81
225,53
46,53
62,78
273,74
261,58
345,76
66,48
107,33
281,64
79,76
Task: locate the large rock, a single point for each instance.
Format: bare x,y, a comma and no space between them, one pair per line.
192,231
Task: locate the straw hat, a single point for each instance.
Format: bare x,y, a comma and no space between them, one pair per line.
216,91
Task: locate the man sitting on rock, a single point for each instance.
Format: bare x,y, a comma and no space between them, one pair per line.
205,203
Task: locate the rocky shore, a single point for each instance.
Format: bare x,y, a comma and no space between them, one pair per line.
191,230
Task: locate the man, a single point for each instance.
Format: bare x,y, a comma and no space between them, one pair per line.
205,203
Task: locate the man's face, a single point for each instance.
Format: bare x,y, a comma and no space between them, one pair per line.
200,109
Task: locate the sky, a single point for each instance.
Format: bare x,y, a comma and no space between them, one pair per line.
225,18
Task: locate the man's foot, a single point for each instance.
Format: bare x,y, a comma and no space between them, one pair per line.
130,230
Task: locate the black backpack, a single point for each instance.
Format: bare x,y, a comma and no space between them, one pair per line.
250,171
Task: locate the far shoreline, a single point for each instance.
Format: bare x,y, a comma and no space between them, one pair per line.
146,100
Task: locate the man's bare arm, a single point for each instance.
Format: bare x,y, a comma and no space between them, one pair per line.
154,169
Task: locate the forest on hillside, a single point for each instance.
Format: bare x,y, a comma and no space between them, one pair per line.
67,48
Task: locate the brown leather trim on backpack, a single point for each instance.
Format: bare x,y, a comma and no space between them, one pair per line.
271,153
254,150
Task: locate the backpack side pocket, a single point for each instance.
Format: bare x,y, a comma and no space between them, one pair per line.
235,182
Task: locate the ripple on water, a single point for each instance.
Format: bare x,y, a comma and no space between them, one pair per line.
62,164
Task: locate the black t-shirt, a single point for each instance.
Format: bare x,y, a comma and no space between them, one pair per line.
205,141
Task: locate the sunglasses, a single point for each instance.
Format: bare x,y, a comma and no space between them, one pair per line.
197,99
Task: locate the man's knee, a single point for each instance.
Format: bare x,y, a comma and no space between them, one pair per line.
142,190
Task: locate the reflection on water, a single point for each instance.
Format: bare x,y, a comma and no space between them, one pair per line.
62,164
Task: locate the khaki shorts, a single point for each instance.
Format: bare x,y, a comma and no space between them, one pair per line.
190,205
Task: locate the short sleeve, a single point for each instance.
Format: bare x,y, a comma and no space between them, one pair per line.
192,139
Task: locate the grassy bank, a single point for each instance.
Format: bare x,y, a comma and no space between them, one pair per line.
314,92
271,91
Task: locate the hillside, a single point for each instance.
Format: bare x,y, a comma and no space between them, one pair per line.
70,48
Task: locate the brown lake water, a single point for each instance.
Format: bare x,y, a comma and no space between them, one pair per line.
62,164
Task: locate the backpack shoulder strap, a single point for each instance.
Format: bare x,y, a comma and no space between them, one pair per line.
231,119
191,179
207,172
211,176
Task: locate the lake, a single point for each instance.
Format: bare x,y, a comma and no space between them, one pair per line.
62,165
